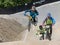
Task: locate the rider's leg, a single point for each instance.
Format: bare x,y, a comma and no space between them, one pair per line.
47,35
43,36
35,22
51,29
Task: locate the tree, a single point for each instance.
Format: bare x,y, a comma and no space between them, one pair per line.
1,3
12,3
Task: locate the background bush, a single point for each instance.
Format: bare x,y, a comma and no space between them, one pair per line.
12,3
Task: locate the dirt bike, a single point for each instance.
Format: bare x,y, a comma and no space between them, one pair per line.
31,20
48,35
41,33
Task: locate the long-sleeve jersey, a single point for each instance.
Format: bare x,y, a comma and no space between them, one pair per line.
33,14
52,19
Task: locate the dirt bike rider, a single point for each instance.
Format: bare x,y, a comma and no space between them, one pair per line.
49,21
33,13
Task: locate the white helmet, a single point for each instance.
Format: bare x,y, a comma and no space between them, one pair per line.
33,8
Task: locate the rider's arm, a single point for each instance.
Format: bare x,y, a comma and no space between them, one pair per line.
44,21
26,12
37,12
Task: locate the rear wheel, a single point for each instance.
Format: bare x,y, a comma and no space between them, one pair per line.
48,35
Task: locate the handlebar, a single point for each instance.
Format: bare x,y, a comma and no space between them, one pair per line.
46,25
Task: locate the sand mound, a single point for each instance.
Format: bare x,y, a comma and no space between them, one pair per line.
9,30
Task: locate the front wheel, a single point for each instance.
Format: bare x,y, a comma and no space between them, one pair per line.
29,25
48,36
42,37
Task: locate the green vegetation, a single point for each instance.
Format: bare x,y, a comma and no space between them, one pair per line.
12,3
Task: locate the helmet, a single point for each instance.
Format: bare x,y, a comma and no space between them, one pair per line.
33,8
40,27
49,14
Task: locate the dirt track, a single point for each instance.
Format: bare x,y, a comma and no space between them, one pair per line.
29,38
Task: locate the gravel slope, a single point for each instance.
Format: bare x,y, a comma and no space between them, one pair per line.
10,29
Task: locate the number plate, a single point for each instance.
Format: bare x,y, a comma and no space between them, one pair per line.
47,26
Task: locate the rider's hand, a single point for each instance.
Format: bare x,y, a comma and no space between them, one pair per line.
30,17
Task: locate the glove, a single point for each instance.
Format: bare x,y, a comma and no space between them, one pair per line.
30,17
